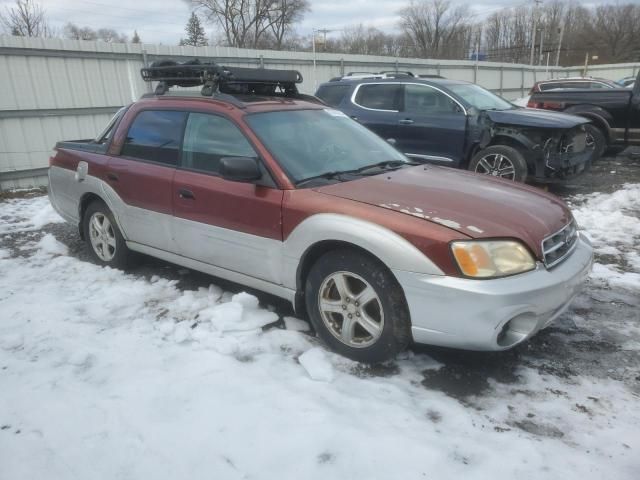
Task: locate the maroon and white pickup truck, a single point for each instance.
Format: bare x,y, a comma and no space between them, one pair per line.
266,187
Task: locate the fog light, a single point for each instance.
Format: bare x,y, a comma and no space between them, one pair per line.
517,329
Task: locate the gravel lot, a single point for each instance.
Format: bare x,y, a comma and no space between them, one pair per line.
575,386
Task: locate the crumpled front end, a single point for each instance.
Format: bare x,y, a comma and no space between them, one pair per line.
563,155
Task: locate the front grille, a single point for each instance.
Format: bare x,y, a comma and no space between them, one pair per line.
556,247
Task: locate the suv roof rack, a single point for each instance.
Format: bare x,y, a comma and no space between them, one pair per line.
373,75
216,78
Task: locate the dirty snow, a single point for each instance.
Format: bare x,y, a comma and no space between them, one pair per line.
110,375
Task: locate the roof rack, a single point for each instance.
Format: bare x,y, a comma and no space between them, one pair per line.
373,75
216,78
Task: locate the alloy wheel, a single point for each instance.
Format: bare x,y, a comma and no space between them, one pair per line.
102,237
351,309
497,165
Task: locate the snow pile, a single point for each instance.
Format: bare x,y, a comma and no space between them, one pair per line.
317,365
612,223
105,374
20,215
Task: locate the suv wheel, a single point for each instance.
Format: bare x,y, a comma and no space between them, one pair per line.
357,307
106,244
500,161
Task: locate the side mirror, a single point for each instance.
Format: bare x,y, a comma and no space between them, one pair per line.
392,141
240,169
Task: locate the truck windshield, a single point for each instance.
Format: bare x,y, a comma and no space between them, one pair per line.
312,143
480,98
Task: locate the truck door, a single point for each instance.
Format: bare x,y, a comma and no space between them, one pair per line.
634,115
231,225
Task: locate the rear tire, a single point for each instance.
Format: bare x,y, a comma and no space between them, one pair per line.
596,141
500,161
105,242
357,306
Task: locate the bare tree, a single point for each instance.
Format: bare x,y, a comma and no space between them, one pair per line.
615,32
436,29
283,15
25,19
109,35
253,23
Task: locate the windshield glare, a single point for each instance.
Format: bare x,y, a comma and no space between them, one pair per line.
308,143
480,98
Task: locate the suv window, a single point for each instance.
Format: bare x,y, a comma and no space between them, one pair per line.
426,100
155,136
379,96
208,138
332,94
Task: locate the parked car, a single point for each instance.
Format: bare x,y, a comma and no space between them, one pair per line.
570,83
459,124
626,81
615,113
285,195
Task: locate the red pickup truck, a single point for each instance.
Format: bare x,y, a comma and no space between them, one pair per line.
257,184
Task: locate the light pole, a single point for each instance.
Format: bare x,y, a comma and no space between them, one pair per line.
313,42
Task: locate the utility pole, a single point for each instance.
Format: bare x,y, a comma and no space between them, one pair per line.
560,44
541,52
313,42
586,64
533,30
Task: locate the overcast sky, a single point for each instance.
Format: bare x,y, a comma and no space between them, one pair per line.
163,21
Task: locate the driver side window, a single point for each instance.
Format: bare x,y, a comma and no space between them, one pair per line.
422,99
208,138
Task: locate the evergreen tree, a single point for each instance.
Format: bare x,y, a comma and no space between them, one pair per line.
136,37
195,33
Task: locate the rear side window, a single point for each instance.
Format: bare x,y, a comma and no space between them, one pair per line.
379,96
333,94
208,138
422,99
155,136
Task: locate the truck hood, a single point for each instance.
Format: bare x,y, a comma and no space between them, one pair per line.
477,206
527,117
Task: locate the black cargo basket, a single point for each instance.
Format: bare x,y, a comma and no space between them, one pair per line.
216,78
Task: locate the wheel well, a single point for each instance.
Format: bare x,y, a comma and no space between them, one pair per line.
601,125
508,142
85,201
309,258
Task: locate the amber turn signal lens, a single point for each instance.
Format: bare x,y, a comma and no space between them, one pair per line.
492,258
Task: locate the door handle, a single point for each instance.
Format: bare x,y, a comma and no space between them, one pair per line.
112,176
185,193
405,121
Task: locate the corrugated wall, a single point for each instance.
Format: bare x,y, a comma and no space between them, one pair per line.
54,89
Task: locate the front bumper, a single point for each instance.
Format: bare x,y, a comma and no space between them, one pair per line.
492,314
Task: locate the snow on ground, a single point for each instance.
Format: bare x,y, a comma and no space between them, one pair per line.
110,375
612,223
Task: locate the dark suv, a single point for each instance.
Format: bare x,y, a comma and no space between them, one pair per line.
460,124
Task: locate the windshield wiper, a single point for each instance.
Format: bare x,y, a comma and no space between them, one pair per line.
387,164
327,175
357,171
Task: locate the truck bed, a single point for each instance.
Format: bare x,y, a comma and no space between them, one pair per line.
87,145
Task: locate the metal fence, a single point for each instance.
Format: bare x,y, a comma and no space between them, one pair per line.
53,89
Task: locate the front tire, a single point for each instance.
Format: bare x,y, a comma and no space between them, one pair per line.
500,161
357,307
596,141
105,242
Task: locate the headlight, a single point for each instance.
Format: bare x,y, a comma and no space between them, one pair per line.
492,258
